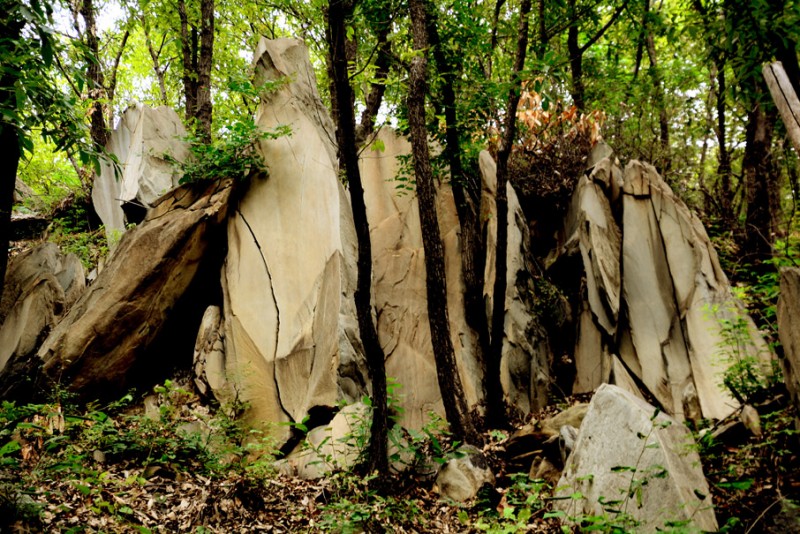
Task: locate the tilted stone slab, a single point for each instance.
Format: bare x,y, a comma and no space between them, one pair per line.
115,322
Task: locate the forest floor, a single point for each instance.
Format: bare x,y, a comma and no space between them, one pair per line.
116,469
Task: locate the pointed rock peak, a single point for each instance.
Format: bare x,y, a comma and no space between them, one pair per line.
638,178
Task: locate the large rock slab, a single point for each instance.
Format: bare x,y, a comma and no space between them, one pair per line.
399,290
654,304
526,355
40,286
630,460
140,141
114,324
789,331
291,336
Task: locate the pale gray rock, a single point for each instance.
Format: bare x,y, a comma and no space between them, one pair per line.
41,285
644,252
335,446
291,339
460,479
638,461
140,141
789,331
526,355
209,357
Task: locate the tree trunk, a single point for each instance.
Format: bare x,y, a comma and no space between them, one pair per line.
340,11
447,370
759,176
575,59
663,161
9,140
378,86
467,196
94,78
189,66
155,57
497,414
204,106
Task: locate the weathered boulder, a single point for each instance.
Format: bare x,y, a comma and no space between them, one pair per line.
630,460
399,290
789,331
140,141
334,446
40,286
654,301
291,337
107,336
460,479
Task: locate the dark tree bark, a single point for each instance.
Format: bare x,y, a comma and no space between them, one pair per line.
94,77
197,50
111,88
724,159
447,372
576,50
373,101
340,11
663,161
204,106
759,177
9,140
497,414
467,196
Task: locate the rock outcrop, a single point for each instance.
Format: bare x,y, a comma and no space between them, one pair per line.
40,287
460,478
109,334
291,336
630,460
654,300
789,331
140,141
400,296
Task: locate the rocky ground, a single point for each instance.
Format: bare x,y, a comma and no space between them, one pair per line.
118,469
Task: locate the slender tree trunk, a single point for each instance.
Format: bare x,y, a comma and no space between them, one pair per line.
11,30
94,77
724,159
661,105
575,58
204,106
378,86
155,57
340,11
757,168
189,70
111,89
497,414
467,196
447,371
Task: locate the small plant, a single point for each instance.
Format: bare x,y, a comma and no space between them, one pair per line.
232,155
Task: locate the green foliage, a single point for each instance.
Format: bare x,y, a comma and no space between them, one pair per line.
522,500
232,155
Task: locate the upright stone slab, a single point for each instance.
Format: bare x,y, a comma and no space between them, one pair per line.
400,291
525,359
789,331
291,336
653,301
140,141
630,459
